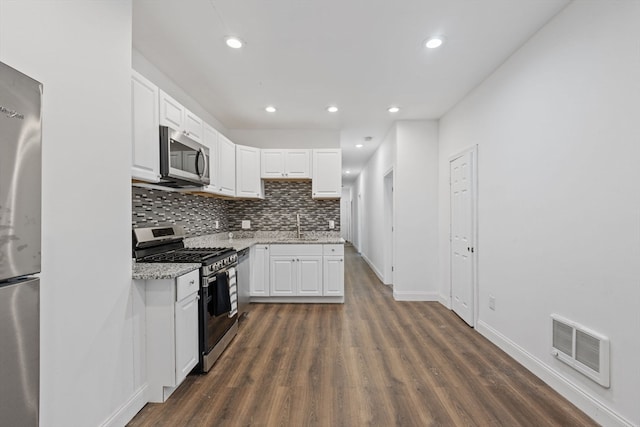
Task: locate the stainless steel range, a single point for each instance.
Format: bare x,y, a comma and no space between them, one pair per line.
218,302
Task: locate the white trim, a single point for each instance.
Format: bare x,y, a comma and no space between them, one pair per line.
474,232
415,296
389,234
594,408
126,412
444,300
302,300
373,267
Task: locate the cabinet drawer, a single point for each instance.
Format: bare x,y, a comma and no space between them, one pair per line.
333,250
296,249
187,284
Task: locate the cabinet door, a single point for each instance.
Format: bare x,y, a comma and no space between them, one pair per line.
283,275
248,182
171,112
186,330
309,275
333,275
146,135
226,166
298,163
193,126
272,163
210,140
327,174
260,271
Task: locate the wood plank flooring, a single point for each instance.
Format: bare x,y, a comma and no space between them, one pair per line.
370,362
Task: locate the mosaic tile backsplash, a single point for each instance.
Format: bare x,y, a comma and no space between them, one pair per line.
197,214
277,211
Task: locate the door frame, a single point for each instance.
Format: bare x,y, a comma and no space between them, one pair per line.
474,229
389,226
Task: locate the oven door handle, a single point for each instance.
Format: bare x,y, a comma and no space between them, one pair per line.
212,278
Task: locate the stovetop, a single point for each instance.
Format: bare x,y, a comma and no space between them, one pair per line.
204,256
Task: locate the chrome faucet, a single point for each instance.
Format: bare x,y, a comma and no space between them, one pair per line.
298,224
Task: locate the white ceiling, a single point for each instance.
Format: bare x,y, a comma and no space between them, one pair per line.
361,55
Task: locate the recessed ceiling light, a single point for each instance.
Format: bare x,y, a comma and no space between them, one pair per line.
332,109
393,109
347,172
434,42
233,42
358,145
270,109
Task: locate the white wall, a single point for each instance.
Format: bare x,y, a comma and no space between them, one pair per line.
416,211
559,212
286,138
81,52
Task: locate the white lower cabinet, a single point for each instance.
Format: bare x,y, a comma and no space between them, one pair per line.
259,255
333,270
296,270
171,308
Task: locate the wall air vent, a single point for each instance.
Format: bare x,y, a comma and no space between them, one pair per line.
584,350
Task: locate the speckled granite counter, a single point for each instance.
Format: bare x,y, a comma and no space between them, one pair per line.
220,240
160,270
144,271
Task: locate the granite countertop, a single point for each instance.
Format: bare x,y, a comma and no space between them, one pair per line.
161,270
240,241
244,241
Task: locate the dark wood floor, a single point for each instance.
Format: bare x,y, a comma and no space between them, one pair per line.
370,362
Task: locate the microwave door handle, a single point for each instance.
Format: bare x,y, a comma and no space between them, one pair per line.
206,163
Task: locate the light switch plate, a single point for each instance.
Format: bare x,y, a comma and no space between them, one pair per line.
246,224
332,225
216,224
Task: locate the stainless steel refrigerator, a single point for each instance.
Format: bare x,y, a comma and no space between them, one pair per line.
20,206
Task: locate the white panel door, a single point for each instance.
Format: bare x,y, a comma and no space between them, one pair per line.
462,244
310,275
283,275
186,318
146,132
259,271
226,166
298,163
333,276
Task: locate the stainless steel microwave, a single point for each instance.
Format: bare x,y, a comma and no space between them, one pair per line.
183,161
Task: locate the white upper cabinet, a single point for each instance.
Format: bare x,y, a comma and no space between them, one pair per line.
176,116
145,129
277,163
210,140
248,182
327,173
226,166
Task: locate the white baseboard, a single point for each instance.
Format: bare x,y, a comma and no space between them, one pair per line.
415,296
373,267
591,406
444,300
129,410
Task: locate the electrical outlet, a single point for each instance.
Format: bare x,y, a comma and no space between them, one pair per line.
246,224
332,224
492,302
216,224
